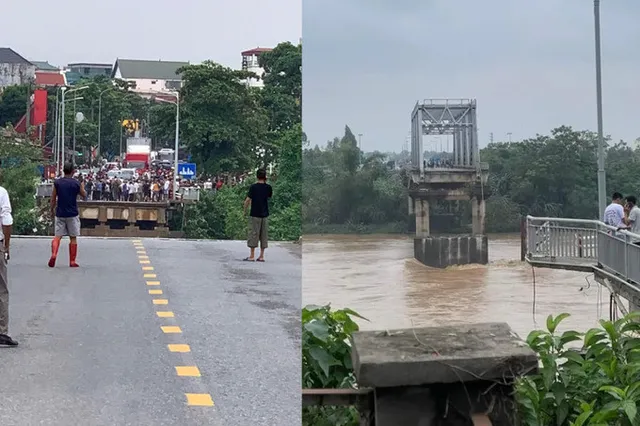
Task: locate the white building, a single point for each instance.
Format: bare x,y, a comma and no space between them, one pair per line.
250,63
149,76
14,69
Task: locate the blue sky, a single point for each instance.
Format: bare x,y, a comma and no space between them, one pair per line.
65,31
529,64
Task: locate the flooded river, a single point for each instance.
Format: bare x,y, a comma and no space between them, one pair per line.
378,277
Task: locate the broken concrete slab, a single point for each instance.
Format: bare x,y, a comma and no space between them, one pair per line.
435,355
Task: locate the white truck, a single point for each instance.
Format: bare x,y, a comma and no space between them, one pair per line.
138,155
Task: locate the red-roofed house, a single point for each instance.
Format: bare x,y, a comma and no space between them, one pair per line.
250,63
45,78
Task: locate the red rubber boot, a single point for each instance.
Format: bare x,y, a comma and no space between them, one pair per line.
73,253
55,245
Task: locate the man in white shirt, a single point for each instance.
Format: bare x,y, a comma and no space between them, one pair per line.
614,213
632,218
5,239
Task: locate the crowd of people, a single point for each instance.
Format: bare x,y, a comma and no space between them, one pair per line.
153,185
438,163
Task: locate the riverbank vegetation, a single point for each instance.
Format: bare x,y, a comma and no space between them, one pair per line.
590,378
549,175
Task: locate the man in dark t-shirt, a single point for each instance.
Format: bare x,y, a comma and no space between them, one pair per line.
258,198
64,210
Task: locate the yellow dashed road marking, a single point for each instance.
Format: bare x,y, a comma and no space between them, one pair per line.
193,399
188,371
199,399
179,348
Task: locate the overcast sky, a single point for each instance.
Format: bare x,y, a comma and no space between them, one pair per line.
529,64
65,31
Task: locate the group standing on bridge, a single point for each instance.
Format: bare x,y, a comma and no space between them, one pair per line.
64,211
623,213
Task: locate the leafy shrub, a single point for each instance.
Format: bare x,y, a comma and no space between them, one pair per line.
596,385
326,361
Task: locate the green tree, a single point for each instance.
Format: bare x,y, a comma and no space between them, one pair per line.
13,104
224,124
282,91
19,175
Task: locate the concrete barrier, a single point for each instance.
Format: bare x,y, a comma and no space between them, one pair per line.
440,252
451,374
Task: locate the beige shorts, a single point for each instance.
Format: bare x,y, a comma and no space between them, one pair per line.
258,232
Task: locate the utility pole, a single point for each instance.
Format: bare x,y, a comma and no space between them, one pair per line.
121,130
491,137
509,135
73,160
602,184
28,115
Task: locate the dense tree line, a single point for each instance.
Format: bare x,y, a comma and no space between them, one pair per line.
346,190
549,175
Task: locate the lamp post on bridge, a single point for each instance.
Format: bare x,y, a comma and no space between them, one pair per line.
65,91
175,94
602,183
100,118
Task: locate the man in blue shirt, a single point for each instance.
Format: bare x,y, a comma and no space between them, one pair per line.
64,207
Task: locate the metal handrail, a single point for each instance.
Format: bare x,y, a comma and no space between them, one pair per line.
563,240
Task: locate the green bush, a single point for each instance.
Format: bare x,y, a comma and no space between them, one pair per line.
597,384
326,361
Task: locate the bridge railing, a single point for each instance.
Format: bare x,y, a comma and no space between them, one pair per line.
561,240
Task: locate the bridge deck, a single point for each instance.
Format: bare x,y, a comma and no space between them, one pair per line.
568,263
92,351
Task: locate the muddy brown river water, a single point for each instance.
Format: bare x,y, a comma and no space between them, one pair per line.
377,277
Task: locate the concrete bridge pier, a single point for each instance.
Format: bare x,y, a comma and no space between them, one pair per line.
412,215
422,218
455,184
477,215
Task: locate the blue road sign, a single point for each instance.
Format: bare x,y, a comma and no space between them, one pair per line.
187,170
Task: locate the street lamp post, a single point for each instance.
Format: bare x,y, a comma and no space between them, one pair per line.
64,91
176,94
56,150
73,146
175,161
602,183
100,118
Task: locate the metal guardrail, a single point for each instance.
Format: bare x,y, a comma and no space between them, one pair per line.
563,240
44,190
189,193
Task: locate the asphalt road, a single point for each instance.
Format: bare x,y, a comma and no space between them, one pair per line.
93,352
